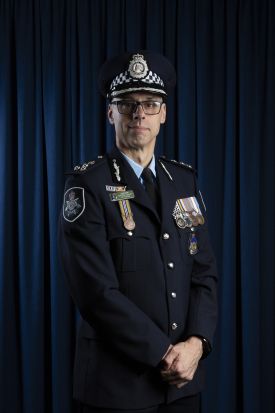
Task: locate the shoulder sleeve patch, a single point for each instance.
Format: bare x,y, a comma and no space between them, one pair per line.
74,203
187,165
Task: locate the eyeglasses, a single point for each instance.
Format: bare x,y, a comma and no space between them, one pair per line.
126,107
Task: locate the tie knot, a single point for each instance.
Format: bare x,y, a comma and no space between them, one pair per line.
147,175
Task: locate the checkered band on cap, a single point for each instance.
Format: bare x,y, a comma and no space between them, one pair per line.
124,78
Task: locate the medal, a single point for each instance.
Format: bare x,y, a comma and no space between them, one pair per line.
129,223
126,214
187,213
180,222
195,220
200,219
188,221
118,193
179,217
193,244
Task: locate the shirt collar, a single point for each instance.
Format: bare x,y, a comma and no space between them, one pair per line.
138,168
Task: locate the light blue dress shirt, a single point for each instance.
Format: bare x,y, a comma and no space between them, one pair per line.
138,168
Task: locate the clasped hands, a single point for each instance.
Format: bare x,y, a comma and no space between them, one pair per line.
181,361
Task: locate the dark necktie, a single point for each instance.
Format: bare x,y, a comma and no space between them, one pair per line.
150,186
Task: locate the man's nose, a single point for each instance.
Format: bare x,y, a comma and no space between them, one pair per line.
139,112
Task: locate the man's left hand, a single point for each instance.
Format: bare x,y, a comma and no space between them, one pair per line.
184,366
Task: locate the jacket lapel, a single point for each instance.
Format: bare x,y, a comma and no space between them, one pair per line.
168,191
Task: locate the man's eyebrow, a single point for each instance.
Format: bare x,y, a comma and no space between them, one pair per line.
153,97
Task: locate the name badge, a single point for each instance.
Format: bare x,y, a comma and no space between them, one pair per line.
111,188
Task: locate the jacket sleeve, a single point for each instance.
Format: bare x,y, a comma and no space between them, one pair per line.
203,308
93,283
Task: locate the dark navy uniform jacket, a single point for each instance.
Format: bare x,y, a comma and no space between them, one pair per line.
122,283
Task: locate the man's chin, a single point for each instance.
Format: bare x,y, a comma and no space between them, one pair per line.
136,142
139,134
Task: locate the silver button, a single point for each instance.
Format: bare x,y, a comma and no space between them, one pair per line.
170,265
173,294
130,233
174,326
165,236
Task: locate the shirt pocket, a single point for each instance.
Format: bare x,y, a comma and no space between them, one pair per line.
131,253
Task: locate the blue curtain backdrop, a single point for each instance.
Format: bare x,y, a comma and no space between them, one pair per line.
220,119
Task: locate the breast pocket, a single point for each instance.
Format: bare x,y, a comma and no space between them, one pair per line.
131,253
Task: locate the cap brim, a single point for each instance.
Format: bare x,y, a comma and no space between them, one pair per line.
155,91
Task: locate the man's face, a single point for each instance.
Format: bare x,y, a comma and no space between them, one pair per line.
136,130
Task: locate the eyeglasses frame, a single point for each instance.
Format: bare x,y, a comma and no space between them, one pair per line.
115,102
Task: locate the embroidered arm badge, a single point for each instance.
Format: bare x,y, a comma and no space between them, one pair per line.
74,203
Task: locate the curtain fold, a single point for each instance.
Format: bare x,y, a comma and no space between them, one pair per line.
220,119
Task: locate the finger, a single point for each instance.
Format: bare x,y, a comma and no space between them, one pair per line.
172,364
171,378
181,384
170,374
167,362
178,381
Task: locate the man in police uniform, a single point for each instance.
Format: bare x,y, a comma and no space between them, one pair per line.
134,245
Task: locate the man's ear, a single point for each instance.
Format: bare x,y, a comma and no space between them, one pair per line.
163,113
110,114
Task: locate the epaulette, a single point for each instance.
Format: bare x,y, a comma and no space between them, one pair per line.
86,165
179,163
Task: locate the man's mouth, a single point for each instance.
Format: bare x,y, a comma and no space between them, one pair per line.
136,127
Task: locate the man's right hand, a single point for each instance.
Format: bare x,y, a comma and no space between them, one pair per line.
181,361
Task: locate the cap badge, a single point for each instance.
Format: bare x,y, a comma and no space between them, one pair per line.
138,66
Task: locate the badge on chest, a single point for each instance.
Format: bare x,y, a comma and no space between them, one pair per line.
122,196
187,214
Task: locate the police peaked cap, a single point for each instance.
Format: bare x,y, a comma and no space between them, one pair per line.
134,72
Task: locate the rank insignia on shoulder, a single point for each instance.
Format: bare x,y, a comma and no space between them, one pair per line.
179,163
84,166
74,203
185,164
87,165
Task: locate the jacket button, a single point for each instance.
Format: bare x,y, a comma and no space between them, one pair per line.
174,326
173,294
165,236
170,265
